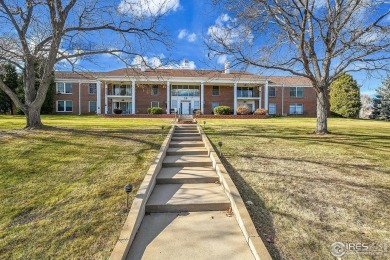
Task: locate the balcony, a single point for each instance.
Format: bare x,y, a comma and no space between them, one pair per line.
119,90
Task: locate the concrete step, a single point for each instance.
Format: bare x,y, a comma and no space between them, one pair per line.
179,134
187,150
186,132
186,144
185,138
176,175
186,161
189,235
187,197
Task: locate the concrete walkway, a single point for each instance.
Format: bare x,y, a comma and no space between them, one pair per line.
186,212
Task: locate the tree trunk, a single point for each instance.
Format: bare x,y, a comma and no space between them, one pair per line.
33,117
322,112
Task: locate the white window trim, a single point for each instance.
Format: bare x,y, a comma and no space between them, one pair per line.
64,106
151,103
295,104
212,91
270,91
89,89
269,105
151,90
89,107
64,93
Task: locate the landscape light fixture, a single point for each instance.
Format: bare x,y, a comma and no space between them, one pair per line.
162,130
128,189
204,124
220,148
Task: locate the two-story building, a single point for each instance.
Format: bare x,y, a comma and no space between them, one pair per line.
133,91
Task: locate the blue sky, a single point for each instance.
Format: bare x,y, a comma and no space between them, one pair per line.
187,23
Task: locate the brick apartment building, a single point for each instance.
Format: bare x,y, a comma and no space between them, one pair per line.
183,91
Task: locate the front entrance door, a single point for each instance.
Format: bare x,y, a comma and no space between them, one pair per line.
185,108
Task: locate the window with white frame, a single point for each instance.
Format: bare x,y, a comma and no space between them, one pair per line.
296,109
92,89
272,108
272,92
296,92
215,90
64,106
92,106
64,88
154,90
154,104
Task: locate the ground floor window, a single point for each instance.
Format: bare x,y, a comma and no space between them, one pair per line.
64,106
296,109
154,104
214,105
92,106
272,108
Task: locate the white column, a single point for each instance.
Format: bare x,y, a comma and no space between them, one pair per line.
202,97
79,97
235,98
98,97
133,97
168,97
282,99
260,97
105,98
266,95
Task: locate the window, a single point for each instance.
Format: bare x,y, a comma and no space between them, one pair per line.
272,92
92,88
64,88
196,105
296,109
121,90
296,92
92,106
214,105
185,91
272,108
154,104
64,106
154,90
245,92
215,90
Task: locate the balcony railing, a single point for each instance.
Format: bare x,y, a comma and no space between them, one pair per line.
119,91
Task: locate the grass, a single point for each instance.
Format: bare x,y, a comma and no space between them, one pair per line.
309,191
61,188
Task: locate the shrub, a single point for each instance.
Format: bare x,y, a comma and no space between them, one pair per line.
155,110
198,112
243,110
222,110
261,111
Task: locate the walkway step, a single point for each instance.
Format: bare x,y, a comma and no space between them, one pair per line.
186,144
187,150
175,134
186,161
187,197
191,138
178,175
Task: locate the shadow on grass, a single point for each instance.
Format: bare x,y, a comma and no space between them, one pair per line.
261,217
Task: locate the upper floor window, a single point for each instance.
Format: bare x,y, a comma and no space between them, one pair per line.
185,91
121,90
272,92
92,88
64,88
215,90
245,92
296,92
154,90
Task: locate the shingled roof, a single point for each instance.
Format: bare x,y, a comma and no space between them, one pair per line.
181,73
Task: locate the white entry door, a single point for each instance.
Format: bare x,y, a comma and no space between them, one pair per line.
185,108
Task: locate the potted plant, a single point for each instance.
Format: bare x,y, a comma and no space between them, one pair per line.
117,110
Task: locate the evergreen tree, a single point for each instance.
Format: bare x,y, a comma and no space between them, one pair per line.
382,101
9,77
344,97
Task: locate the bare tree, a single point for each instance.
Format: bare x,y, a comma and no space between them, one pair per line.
315,39
53,31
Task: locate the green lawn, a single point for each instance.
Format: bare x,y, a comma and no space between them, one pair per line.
61,188
309,191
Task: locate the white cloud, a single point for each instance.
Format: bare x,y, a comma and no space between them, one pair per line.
182,34
142,8
225,30
156,62
222,59
192,37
